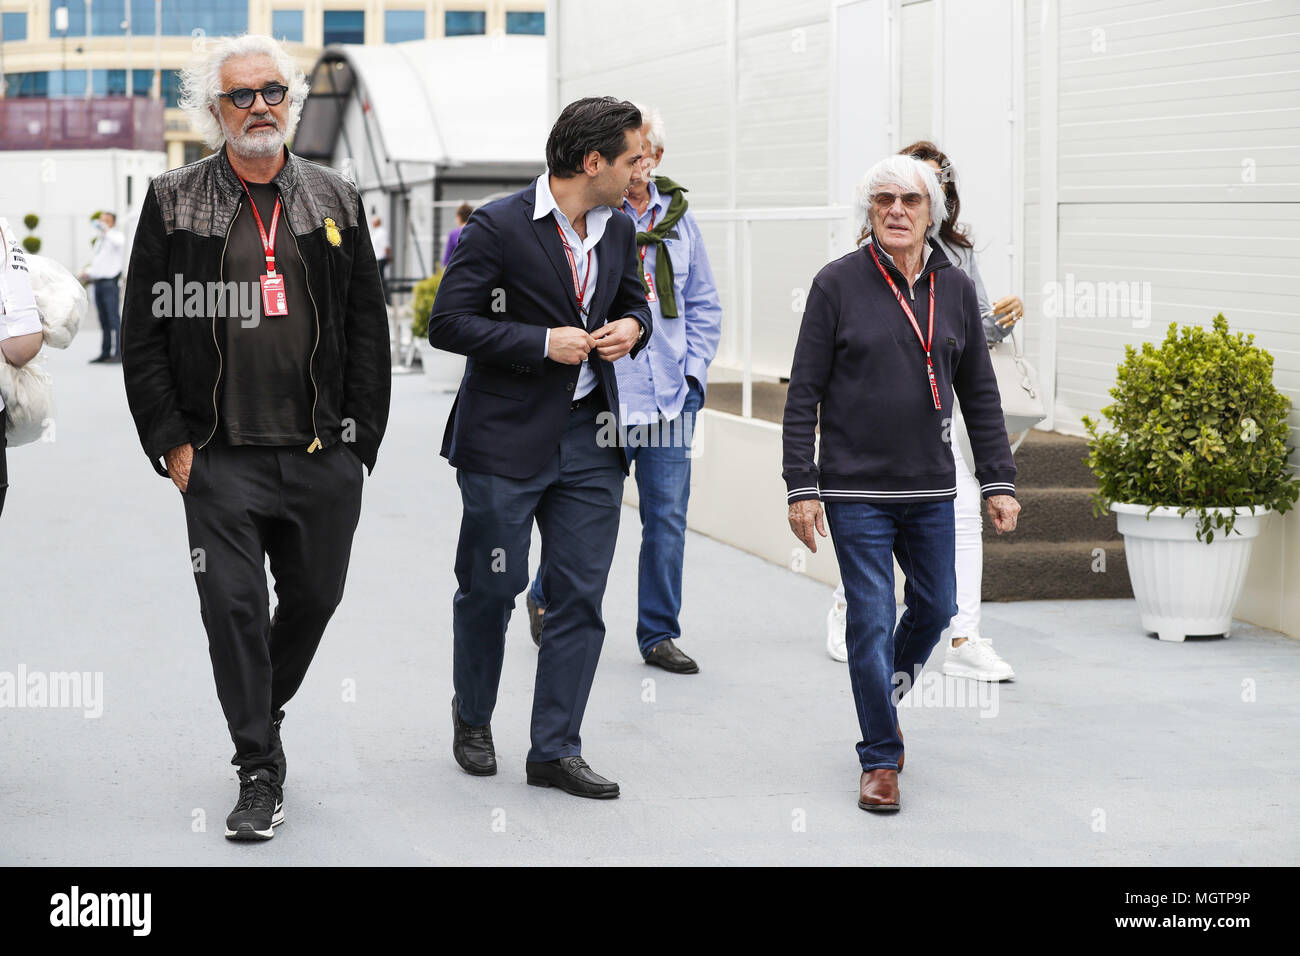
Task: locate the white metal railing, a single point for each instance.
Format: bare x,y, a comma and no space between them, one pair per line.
742,221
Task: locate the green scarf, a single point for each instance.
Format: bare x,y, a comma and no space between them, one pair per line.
663,262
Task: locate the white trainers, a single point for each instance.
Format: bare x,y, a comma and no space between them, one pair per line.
977,660
835,623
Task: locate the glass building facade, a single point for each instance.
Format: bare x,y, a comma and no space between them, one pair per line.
344,26
403,25
463,23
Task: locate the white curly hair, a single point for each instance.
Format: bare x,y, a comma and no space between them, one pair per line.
902,171
651,117
201,82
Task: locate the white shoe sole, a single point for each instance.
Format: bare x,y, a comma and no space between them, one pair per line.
247,832
952,669
831,643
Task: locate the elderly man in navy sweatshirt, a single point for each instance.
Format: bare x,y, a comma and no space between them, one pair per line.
889,333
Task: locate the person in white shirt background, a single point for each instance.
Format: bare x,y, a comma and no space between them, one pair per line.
20,324
104,271
966,652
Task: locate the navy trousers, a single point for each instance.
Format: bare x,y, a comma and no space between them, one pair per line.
663,482
110,317
576,500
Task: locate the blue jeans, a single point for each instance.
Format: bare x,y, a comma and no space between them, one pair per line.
663,483
882,656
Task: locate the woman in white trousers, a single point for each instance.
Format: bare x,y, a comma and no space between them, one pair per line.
967,653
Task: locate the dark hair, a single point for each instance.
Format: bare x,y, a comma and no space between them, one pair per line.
464,211
949,231
595,123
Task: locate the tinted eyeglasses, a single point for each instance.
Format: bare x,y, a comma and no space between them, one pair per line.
272,95
886,200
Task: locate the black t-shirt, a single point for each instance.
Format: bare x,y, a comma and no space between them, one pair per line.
266,396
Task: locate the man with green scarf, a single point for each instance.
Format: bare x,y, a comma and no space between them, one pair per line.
660,391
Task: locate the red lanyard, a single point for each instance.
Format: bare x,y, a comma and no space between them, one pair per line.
925,342
573,267
268,244
653,212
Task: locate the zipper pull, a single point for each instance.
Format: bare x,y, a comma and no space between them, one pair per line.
313,446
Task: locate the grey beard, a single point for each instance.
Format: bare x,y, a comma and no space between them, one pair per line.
258,144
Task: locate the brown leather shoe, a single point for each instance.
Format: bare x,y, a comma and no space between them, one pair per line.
879,791
900,740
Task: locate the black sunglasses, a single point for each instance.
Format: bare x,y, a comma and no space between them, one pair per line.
272,95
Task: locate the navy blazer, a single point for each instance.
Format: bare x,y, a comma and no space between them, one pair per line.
507,283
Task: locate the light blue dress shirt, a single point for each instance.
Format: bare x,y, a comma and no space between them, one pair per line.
588,266
654,383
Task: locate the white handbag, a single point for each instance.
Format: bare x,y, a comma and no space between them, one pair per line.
28,394
1022,396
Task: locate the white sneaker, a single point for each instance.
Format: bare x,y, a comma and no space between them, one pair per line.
977,660
835,622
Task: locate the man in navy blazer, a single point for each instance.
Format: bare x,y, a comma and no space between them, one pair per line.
542,295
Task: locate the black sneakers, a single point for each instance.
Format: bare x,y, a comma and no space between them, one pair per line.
258,812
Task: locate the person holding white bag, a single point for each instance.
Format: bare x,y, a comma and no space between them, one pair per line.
40,302
20,326
966,652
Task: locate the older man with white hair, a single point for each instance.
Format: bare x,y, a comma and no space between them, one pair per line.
661,389
257,369
889,334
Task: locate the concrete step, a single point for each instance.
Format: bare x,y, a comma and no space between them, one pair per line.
768,397
1052,514
1052,460
1055,570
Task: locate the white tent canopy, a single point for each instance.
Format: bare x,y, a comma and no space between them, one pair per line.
456,101
420,126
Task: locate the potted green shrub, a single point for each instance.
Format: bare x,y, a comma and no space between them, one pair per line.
32,243
1191,460
442,370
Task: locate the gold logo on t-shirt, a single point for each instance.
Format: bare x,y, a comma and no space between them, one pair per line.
332,232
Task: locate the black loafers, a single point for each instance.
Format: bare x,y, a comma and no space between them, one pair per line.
472,746
665,654
535,622
572,775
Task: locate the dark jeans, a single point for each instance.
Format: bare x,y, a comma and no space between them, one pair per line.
576,499
663,482
882,656
110,317
244,504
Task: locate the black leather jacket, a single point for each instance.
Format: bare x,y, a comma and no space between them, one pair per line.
173,364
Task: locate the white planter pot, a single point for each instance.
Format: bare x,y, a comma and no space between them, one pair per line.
442,370
1184,586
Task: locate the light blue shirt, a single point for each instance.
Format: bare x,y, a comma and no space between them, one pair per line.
654,383
585,259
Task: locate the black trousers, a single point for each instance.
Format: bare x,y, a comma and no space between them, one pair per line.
245,504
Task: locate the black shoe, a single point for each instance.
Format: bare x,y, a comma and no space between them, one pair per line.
572,775
666,655
99,358
472,746
258,812
113,360
535,620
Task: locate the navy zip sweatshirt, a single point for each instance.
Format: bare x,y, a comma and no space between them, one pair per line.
859,360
